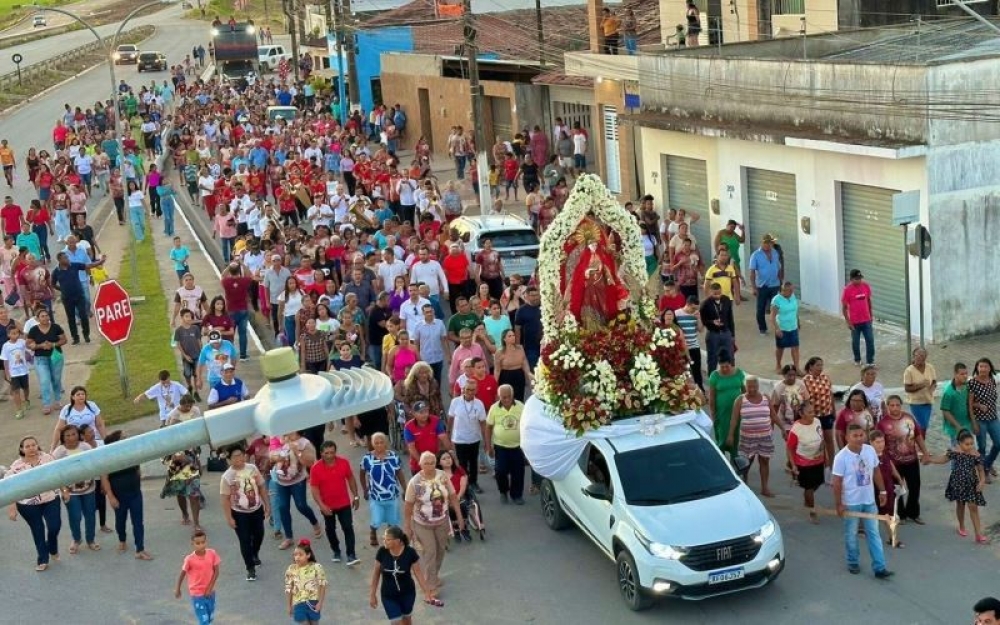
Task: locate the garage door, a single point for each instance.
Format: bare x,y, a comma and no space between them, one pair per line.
687,188
772,209
872,244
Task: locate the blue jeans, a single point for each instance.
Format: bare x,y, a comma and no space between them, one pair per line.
45,521
871,537
384,512
857,330
130,505
297,493
204,609
61,224
241,318
631,44
49,379
991,428
227,249
167,207
375,356
764,296
43,239
82,507
272,491
289,323
922,413
460,167
137,216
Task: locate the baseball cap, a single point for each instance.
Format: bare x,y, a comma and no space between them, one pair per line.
420,406
214,336
276,257
228,366
856,274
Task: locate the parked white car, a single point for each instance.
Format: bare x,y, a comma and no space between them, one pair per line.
512,237
670,511
269,56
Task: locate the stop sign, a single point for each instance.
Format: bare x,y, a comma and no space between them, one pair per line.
113,312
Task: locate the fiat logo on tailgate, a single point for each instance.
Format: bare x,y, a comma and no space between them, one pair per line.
723,553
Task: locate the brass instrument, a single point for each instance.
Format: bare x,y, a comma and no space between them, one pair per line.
358,218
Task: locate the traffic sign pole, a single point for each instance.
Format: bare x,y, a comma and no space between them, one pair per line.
113,312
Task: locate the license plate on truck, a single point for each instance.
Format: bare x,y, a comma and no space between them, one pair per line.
726,575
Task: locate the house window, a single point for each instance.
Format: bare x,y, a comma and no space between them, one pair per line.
791,7
950,3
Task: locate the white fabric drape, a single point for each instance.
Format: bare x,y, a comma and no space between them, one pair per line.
553,451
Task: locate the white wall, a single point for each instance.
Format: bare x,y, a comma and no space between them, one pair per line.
821,262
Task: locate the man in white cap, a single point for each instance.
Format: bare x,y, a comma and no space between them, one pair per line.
228,390
273,278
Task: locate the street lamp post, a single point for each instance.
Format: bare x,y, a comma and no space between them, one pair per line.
114,100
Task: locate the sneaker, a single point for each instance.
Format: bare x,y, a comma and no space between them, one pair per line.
19,414
518,502
504,499
884,574
76,341
197,397
854,570
244,359
256,562
352,561
466,535
251,575
336,556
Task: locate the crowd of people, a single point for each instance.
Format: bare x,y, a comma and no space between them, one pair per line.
345,253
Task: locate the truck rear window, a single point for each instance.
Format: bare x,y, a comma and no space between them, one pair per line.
510,238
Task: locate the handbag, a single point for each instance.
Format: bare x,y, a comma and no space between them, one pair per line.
13,298
216,463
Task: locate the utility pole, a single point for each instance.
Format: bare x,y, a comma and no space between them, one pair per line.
476,91
288,6
354,91
341,95
538,27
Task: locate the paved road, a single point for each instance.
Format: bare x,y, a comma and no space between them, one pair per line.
41,49
522,573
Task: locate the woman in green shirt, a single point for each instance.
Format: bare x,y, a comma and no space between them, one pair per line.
724,386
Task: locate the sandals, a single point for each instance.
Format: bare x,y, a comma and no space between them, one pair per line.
106,529
434,601
42,567
122,547
962,532
317,531
93,546
286,544
814,518
982,540
899,544
142,555
74,549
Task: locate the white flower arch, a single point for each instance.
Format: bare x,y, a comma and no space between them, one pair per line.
588,195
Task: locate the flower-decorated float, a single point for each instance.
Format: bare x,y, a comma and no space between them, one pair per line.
605,354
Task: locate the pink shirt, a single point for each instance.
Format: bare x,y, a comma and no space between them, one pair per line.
199,570
459,356
857,298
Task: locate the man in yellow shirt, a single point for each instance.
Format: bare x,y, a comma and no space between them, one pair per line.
7,160
610,27
724,274
503,442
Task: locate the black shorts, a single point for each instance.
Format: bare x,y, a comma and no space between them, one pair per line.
827,422
811,477
188,370
371,422
19,383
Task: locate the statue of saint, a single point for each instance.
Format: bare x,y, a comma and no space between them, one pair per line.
591,287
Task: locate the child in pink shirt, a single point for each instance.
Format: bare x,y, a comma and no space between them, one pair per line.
201,567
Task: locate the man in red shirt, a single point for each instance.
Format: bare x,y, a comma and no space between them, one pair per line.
456,271
329,480
424,432
856,305
236,289
12,215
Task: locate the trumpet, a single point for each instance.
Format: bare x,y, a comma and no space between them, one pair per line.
359,219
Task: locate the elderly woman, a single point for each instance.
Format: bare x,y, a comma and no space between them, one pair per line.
756,418
873,390
42,512
381,482
429,496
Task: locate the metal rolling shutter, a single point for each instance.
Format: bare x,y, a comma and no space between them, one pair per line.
687,188
872,244
772,209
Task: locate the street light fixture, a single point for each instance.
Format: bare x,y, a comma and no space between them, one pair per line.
112,57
